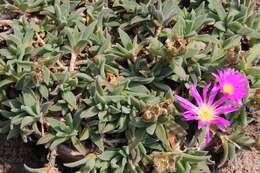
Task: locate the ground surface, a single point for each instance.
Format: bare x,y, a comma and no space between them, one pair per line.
247,161
14,154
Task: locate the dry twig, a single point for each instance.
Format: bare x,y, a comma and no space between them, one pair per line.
52,160
73,61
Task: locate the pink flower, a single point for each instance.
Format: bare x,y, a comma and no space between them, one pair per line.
233,85
207,110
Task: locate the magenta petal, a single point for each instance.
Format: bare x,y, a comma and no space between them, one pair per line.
189,116
221,123
237,80
226,109
220,101
207,133
196,94
206,110
238,102
200,124
186,104
220,120
205,92
221,127
213,94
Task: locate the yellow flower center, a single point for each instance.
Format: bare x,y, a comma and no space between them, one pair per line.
227,88
206,113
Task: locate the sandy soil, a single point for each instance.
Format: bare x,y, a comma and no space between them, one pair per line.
14,154
247,161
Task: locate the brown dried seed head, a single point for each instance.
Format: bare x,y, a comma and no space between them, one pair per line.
148,116
163,111
155,109
166,104
172,139
161,164
37,71
233,55
257,96
114,79
257,143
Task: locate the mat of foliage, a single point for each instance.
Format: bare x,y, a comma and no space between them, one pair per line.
94,81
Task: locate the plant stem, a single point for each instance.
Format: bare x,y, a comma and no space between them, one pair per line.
61,65
52,160
82,62
42,126
5,22
73,61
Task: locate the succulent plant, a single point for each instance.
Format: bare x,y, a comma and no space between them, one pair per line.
95,81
